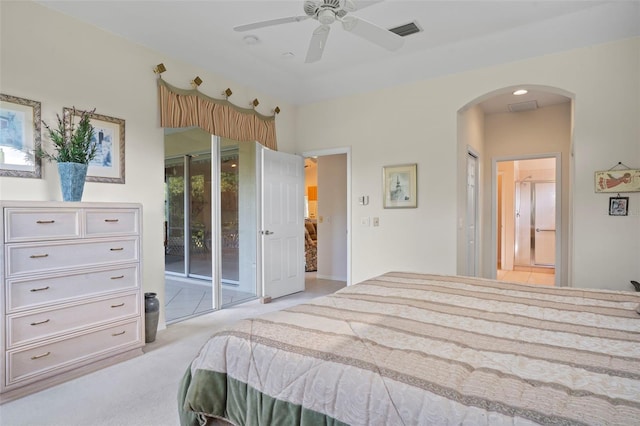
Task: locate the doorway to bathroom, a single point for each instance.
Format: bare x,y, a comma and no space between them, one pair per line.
527,220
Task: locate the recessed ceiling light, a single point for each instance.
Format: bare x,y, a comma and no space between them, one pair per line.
521,92
250,39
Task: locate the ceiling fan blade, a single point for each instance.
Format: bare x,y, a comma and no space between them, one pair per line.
318,41
373,33
353,5
270,23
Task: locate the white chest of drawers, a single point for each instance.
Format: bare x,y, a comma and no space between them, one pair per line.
71,291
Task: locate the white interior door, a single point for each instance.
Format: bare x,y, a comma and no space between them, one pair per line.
472,209
545,223
282,223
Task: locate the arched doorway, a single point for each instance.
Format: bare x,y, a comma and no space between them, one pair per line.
498,126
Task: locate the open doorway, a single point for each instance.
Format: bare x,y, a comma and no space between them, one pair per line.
498,128
327,213
527,208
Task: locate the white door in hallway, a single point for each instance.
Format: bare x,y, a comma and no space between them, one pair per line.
472,214
545,223
282,231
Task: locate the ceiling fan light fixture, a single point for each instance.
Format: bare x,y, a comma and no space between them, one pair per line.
326,17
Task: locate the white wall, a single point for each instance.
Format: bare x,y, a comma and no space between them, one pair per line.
418,123
51,58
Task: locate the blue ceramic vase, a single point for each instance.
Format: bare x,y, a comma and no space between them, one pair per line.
72,176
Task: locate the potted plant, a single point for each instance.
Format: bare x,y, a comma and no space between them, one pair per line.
74,147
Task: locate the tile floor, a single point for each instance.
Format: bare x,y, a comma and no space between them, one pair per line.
189,298
527,277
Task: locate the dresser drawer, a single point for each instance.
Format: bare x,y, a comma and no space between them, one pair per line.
111,222
41,224
51,358
33,326
28,293
36,258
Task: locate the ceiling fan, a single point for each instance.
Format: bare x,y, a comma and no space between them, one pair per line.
327,12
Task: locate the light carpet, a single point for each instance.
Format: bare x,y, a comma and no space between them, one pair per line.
141,391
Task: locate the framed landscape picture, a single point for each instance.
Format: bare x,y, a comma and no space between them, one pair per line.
20,135
109,163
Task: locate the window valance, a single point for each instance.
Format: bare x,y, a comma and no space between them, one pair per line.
186,108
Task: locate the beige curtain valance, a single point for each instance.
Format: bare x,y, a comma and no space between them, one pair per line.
186,108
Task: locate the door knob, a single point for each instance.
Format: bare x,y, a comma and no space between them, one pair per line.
267,232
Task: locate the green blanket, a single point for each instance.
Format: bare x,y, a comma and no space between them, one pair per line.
212,394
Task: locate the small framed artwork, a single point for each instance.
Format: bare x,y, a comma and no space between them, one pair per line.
20,135
618,206
627,180
400,186
108,164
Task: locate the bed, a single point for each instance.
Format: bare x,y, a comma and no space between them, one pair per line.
415,349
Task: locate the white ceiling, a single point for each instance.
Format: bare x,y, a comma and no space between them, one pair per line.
457,36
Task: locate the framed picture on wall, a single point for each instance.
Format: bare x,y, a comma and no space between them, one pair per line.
108,164
618,206
20,135
626,180
400,186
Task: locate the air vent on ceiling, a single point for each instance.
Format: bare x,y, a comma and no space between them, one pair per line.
523,106
406,29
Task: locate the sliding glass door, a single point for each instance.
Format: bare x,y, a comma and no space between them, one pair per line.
211,223
174,182
238,221
188,183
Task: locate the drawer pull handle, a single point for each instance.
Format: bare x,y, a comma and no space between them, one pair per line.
45,221
111,220
40,322
117,249
37,256
39,289
41,356
118,334
118,277
118,306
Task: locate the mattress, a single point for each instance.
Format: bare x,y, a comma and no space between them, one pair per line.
416,349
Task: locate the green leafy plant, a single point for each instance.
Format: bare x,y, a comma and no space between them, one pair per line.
72,143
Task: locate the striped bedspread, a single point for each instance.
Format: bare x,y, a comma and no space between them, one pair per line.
414,349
